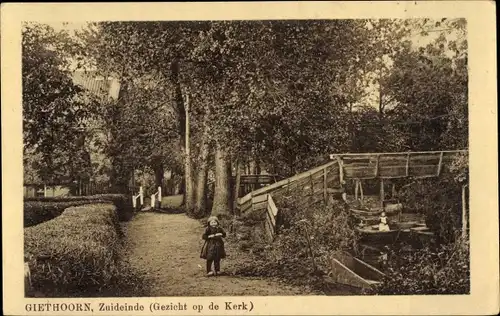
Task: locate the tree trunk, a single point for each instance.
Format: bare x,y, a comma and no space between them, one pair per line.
179,99
257,165
236,187
159,172
201,178
221,202
188,175
229,168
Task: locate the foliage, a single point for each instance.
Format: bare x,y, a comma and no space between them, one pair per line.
39,209
75,251
329,229
440,270
36,212
54,108
273,97
440,200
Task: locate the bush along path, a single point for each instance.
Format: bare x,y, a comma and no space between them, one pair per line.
165,250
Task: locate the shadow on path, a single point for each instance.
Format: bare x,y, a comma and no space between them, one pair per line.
165,248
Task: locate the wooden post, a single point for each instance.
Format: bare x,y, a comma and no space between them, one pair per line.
325,196
382,194
361,192
393,190
356,189
464,213
341,169
440,163
312,186
251,199
153,196
141,195
159,194
407,165
44,190
376,166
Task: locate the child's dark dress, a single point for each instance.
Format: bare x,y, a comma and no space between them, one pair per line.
213,249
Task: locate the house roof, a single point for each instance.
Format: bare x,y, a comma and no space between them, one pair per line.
94,83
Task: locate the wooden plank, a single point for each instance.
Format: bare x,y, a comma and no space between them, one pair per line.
408,165
399,171
399,153
268,229
272,205
382,193
259,206
245,207
440,163
272,218
356,190
259,198
319,175
325,195
361,191
343,275
281,183
361,173
318,183
244,199
312,184
423,170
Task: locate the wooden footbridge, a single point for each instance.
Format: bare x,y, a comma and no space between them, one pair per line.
328,181
323,182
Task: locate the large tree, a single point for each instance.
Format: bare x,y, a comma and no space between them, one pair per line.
54,109
259,89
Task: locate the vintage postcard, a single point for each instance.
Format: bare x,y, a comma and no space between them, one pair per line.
250,158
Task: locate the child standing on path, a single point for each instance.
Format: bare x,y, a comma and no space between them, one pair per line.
213,249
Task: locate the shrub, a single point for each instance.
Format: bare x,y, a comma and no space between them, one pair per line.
439,270
36,212
122,203
75,252
440,200
41,209
328,227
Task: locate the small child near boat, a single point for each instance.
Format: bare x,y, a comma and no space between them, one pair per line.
383,226
213,249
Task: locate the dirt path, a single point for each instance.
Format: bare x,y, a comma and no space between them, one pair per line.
165,248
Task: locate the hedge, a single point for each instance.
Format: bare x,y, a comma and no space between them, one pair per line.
75,252
41,209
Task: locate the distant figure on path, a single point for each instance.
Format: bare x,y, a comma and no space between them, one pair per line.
213,249
383,226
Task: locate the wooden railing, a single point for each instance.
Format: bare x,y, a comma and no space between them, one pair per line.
395,165
316,184
156,197
316,181
271,216
139,196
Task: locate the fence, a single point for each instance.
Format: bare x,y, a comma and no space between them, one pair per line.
78,188
251,182
316,184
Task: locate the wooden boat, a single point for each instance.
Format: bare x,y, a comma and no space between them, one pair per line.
372,234
389,209
407,225
366,212
349,270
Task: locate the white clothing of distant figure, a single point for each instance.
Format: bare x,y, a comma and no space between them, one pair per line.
383,226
